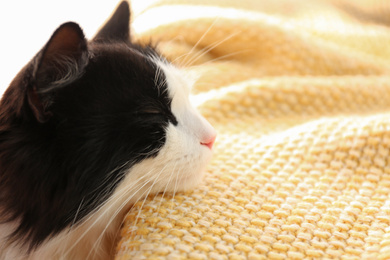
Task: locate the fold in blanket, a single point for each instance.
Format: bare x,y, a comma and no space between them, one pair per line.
299,92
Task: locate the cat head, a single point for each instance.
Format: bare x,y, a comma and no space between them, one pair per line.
84,121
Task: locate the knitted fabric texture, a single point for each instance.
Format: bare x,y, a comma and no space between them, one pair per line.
299,92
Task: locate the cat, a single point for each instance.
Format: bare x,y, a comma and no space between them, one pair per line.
87,128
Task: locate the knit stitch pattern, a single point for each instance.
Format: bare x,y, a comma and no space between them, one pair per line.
299,92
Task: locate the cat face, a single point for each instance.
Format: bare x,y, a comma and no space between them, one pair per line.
189,139
88,123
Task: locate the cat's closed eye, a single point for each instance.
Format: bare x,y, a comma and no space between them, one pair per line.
151,111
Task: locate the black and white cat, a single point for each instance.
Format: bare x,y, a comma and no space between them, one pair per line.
86,129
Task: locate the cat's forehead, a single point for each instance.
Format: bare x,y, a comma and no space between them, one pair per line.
178,83
147,66
127,64
117,53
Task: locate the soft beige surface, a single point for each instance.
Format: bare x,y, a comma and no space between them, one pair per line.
299,92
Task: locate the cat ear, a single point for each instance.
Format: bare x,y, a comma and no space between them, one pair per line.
117,28
61,61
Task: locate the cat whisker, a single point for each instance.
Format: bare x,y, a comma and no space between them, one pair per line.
161,84
199,41
119,209
221,58
166,186
85,219
152,151
77,212
102,214
97,243
103,186
150,189
157,77
175,187
73,223
209,48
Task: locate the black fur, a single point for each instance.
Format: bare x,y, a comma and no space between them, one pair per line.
65,147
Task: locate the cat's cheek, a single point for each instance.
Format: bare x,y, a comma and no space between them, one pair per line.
190,181
186,156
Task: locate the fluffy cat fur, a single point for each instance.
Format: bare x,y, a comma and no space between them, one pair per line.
86,129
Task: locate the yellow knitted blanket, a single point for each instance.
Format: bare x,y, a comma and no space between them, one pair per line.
299,92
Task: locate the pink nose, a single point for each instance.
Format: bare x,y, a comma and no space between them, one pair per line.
209,142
